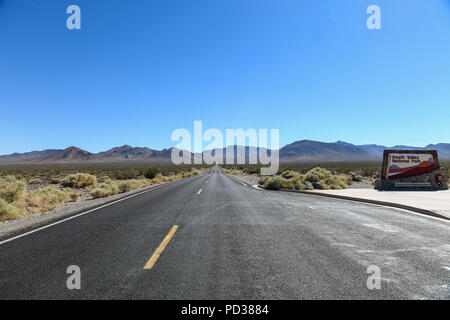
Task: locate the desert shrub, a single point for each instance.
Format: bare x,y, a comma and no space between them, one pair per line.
125,186
287,183
287,180
355,177
316,178
336,182
160,179
103,179
8,211
125,174
252,170
151,173
288,174
317,174
105,189
45,199
274,183
263,180
55,180
189,174
12,189
80,180
128,185
99,193
233,172
74,196
35,181
111,186
299,185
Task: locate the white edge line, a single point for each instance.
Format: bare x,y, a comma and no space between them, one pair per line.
79,214
235,179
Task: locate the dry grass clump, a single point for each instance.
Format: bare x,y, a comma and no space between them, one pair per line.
263,180
233,171
105,189
12,189
275,183
355,177
35,181
73,196
8,211
128,185
302,185
55,180
289,174
37,201
278,182
324,179
336,182
158,179
12,192
46,199
316,178
188,174
80,180
318,174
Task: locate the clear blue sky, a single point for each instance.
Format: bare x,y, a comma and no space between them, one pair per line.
137,70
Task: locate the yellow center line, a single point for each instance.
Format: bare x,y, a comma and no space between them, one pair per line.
199,191
160,249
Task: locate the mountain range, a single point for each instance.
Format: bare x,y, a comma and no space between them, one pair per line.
299,151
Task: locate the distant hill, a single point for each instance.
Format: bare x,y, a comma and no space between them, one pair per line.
71,154
127,152
29,155
443,149
308,150
299,151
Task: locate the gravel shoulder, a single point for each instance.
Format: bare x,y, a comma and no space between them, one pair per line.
249,179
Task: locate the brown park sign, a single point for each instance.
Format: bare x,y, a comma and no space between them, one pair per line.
411,169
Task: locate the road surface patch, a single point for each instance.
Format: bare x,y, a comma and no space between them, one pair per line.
160,249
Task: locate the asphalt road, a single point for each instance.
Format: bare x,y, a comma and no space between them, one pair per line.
233,242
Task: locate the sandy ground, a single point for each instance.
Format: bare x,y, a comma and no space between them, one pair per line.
364,184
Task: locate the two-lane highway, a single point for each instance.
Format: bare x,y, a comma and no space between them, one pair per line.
210,237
